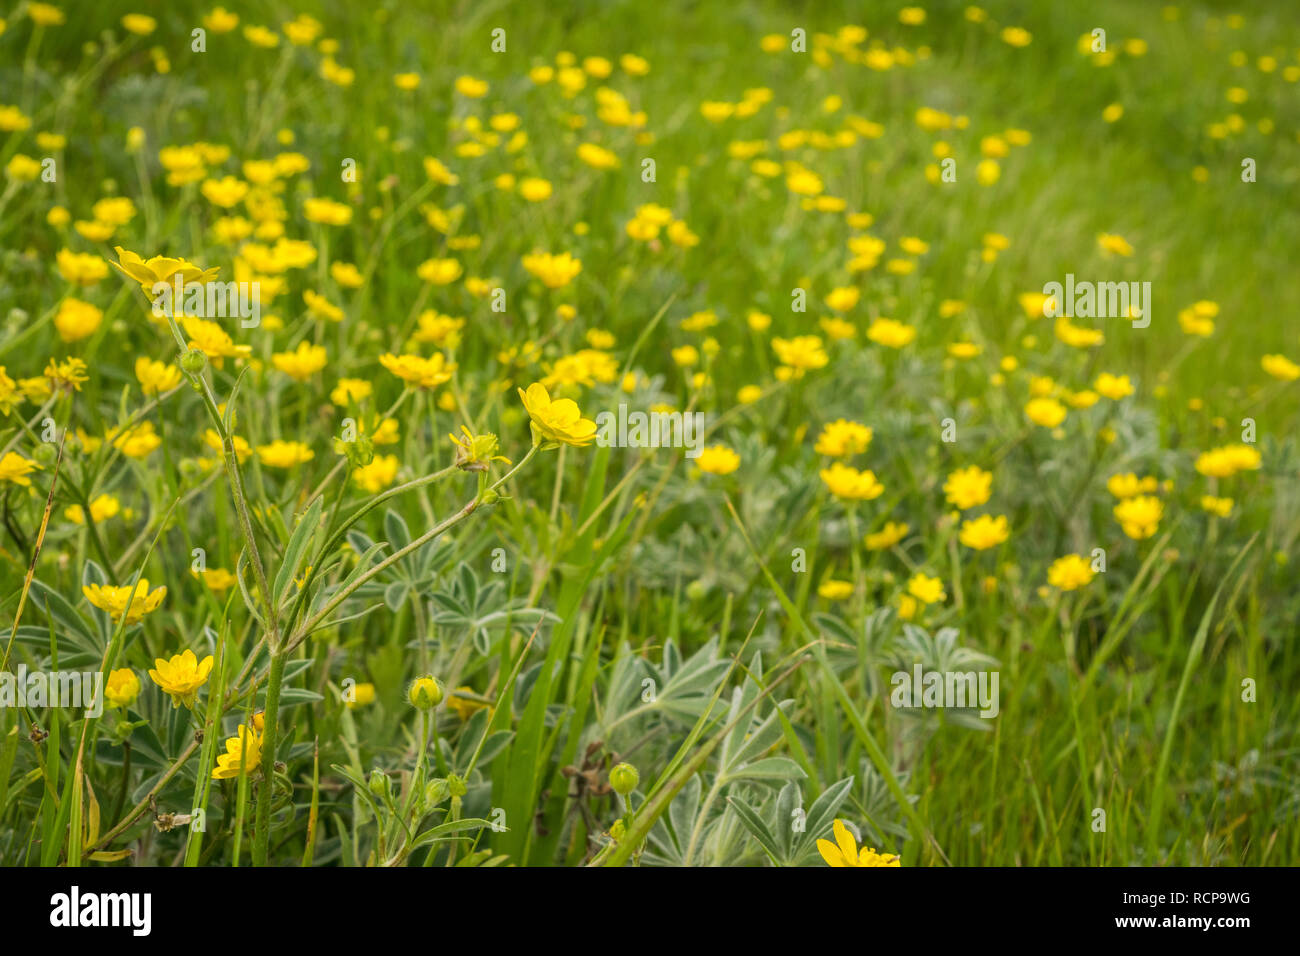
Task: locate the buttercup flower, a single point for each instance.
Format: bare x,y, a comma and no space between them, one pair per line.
119,601
844,851
559,421
181,676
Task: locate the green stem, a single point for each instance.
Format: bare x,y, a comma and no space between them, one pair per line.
270,739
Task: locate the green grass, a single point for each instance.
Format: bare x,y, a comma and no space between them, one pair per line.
610,574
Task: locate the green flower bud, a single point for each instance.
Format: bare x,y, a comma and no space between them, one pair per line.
624,778
379,783
456,786
193,361
425,692
617,831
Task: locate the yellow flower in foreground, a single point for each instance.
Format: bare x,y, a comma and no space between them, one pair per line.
717,460
242,750
1140,515
15,468
182,676
968,487
122,688
850,484
120,601
284,454
1070,572
556,421
440,271
844,851
984,532
160,269
424,372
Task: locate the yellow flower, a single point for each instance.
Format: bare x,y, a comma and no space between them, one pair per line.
801,353
221,20
378,475
1227,461
470,87
891,333
122,688
1128,485
45,14
120,601
77,319
926,589
284,454
321,307
80,268
850,484
440,271
15,468
888,536
424,372
462,701
1113,387
160,269
225,192
362,694
1114,244
212,340
717,460
842,438
555,271
534,189
1016,36
101,509
559,421
1047,412
968,487
23,168
844,851
1070,572
844,298
834,590
327,212
1139,515
351,390
984,532
1280,367
242,750
302,363
597,156
1217,506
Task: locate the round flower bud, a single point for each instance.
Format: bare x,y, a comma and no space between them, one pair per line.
193,361
378,783
624,778
425,692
